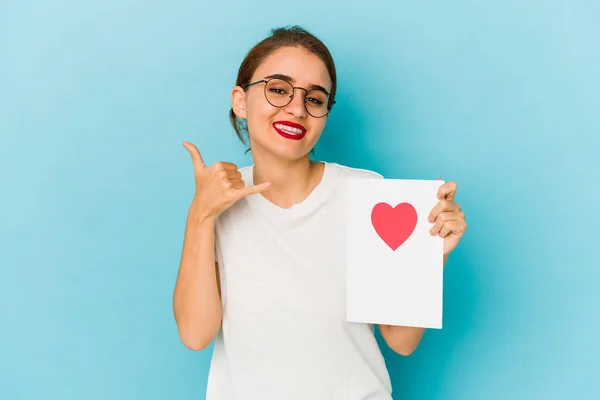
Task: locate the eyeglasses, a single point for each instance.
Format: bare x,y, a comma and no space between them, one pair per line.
279,93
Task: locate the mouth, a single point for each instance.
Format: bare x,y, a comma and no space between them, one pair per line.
289,130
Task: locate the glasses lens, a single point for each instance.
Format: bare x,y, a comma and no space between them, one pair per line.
316,103
278,92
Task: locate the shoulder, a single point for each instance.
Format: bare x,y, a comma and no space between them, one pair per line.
347,172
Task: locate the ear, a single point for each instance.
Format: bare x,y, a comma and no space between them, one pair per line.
238,102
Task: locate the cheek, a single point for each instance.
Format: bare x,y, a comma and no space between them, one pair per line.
258,112
318,126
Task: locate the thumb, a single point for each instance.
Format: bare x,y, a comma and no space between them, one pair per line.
197,160
254,189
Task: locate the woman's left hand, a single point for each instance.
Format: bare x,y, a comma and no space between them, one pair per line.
447,218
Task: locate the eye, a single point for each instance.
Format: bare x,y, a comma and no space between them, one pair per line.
314,101
277,90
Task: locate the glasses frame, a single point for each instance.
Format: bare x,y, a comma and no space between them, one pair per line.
266,81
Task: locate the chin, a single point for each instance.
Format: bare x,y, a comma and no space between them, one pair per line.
289,153
284,146
293,149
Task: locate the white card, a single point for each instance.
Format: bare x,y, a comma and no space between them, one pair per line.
394,265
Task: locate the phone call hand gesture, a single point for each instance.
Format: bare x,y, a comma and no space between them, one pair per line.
218,186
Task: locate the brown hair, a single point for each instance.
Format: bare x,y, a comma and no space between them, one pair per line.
293,36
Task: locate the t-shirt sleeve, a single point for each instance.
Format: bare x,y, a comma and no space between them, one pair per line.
363,173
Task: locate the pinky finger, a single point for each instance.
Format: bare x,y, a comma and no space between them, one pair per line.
254,189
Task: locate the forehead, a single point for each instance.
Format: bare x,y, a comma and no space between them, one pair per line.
303,66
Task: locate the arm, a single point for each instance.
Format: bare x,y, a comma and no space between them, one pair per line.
197,295
403,339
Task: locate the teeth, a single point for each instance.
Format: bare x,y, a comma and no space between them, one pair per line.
288,129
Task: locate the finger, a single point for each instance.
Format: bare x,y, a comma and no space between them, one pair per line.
442,206
233,174
236,183
447,191
196,157
456,227
254,189
228,175
444,218
224,166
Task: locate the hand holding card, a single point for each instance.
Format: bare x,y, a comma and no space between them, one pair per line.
447,217
394,263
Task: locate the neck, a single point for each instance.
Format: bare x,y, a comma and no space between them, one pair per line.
292,180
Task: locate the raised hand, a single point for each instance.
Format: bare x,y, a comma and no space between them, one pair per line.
218,187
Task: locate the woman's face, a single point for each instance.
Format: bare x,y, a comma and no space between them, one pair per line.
268,126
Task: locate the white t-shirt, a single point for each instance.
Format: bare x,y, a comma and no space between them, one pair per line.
284,335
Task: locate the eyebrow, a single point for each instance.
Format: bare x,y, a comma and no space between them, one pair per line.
292,81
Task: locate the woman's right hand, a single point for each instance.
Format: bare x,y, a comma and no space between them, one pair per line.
218,187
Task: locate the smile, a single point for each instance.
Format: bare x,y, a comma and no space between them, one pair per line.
290,130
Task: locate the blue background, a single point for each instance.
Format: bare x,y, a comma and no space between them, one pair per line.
96,98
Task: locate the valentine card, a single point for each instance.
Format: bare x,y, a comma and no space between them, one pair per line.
394,265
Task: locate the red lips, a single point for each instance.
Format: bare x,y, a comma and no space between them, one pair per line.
288,135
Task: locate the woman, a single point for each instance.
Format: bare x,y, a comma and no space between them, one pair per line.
262,267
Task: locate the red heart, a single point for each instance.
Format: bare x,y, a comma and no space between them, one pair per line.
394,225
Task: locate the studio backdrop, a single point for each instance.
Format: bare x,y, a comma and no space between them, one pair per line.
96,98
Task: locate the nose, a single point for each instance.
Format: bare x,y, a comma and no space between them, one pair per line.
296,106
